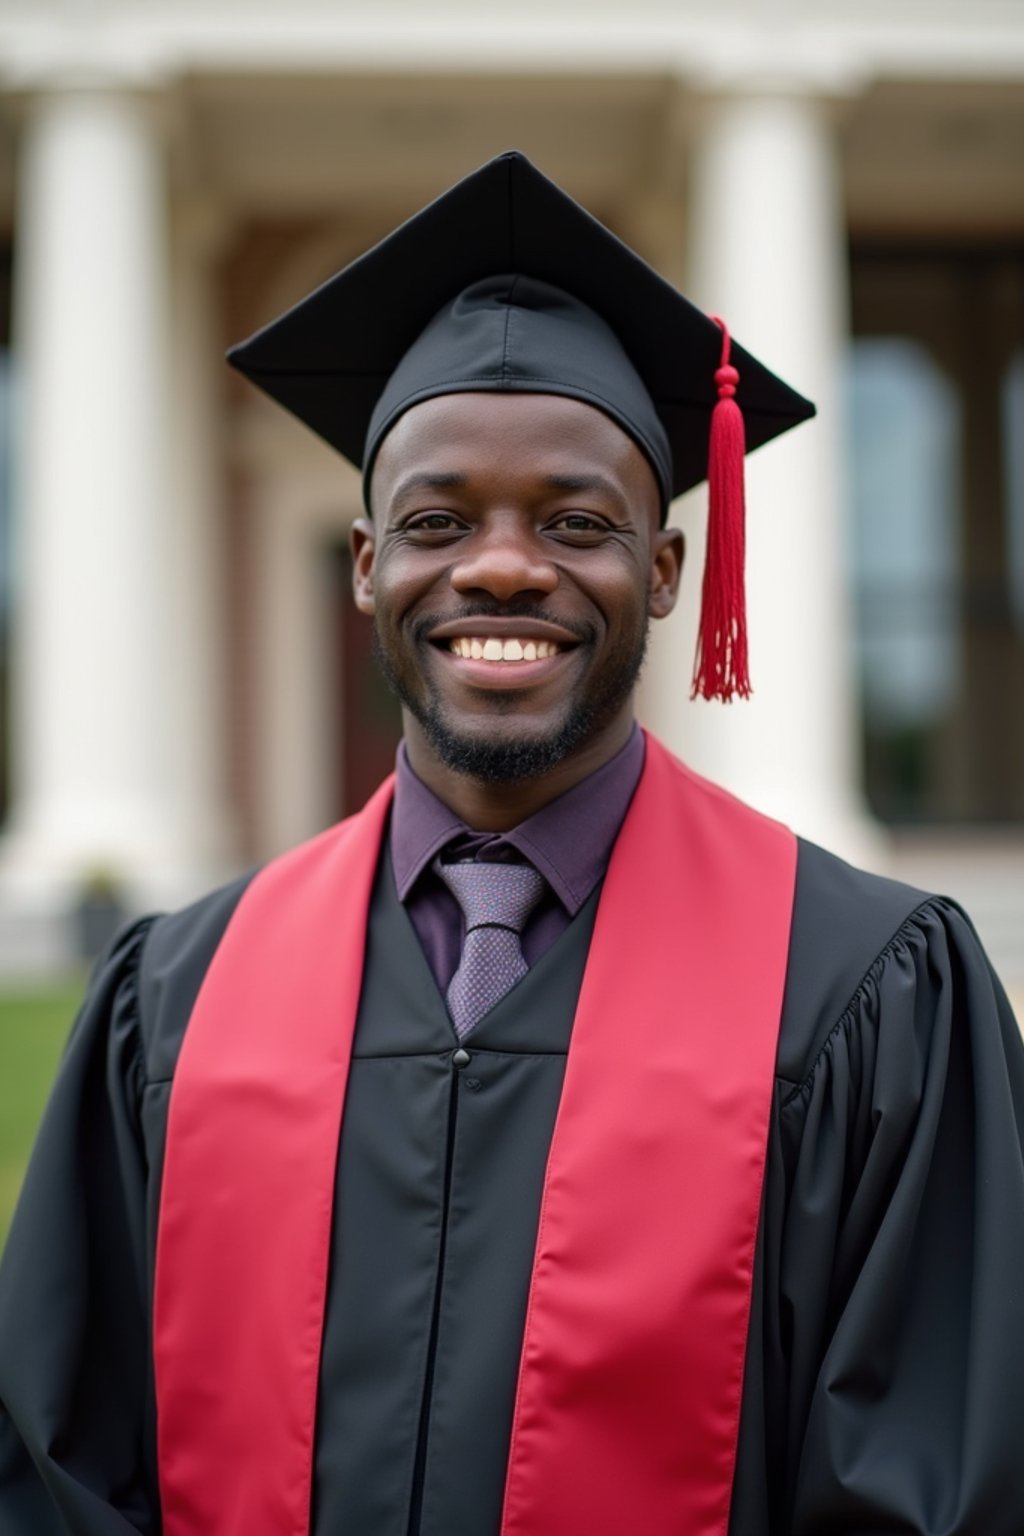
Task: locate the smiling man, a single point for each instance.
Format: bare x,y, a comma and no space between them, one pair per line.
512,566
557,1147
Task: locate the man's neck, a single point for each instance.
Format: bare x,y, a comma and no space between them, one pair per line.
488,807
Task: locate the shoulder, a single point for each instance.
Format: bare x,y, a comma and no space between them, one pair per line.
856,939
174,956
179,947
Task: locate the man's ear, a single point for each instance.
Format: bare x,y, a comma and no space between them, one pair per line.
667,557
363,549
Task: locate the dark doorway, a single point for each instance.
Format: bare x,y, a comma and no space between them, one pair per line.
368,724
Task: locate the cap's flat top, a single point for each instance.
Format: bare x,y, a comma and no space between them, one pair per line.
329,358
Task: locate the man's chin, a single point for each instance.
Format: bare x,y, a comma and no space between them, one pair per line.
505,758
498,748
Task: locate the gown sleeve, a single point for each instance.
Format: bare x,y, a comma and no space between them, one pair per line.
901,1253
76,1426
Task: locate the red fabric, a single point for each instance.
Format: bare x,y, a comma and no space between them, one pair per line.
721,669
628,1402
629,1394
248,1189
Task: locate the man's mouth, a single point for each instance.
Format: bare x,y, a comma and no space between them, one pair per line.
510,648
484,645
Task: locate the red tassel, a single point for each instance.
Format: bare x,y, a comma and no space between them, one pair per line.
721,669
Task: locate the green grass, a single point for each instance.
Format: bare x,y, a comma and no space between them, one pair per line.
33,1028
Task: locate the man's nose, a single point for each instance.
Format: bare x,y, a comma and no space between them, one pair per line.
504,561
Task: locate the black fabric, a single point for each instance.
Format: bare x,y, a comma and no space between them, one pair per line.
330,358
884,1389
513,333
77,1411
441,1170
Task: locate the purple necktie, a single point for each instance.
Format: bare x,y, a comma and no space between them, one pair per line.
496,900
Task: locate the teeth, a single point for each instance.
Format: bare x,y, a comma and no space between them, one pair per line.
493,649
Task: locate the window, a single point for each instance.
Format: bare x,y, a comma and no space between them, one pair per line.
936,398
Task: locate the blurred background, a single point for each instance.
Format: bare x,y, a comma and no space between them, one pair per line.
186,688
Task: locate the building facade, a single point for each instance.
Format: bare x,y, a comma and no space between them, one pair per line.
187,687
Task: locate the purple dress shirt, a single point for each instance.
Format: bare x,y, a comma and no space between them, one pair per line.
569,841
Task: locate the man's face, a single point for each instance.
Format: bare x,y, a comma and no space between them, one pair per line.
512,565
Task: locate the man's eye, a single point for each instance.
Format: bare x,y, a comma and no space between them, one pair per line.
578,522
432,522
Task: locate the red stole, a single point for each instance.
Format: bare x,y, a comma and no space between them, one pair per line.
629,1389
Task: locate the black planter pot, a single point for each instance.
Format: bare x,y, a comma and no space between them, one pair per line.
98,916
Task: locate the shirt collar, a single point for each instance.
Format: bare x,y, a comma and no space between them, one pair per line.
569,840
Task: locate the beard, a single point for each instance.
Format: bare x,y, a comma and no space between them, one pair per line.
509,759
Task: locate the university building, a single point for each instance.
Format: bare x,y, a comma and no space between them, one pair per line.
186,686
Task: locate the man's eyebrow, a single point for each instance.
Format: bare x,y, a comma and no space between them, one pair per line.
588,482
426,480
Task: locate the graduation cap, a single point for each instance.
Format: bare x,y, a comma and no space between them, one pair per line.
504,283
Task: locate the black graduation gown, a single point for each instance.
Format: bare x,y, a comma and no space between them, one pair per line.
884,1387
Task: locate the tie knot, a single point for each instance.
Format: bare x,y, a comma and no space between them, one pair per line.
493,895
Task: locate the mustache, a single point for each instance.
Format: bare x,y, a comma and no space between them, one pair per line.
586,634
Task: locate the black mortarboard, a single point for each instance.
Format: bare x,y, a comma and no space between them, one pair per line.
505,283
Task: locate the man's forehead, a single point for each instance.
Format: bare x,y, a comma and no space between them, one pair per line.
550,440
473,419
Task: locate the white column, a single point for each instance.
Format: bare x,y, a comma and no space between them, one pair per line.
766,252
91,655
297,705
197,709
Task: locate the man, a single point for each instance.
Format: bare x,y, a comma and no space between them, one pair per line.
557,1146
